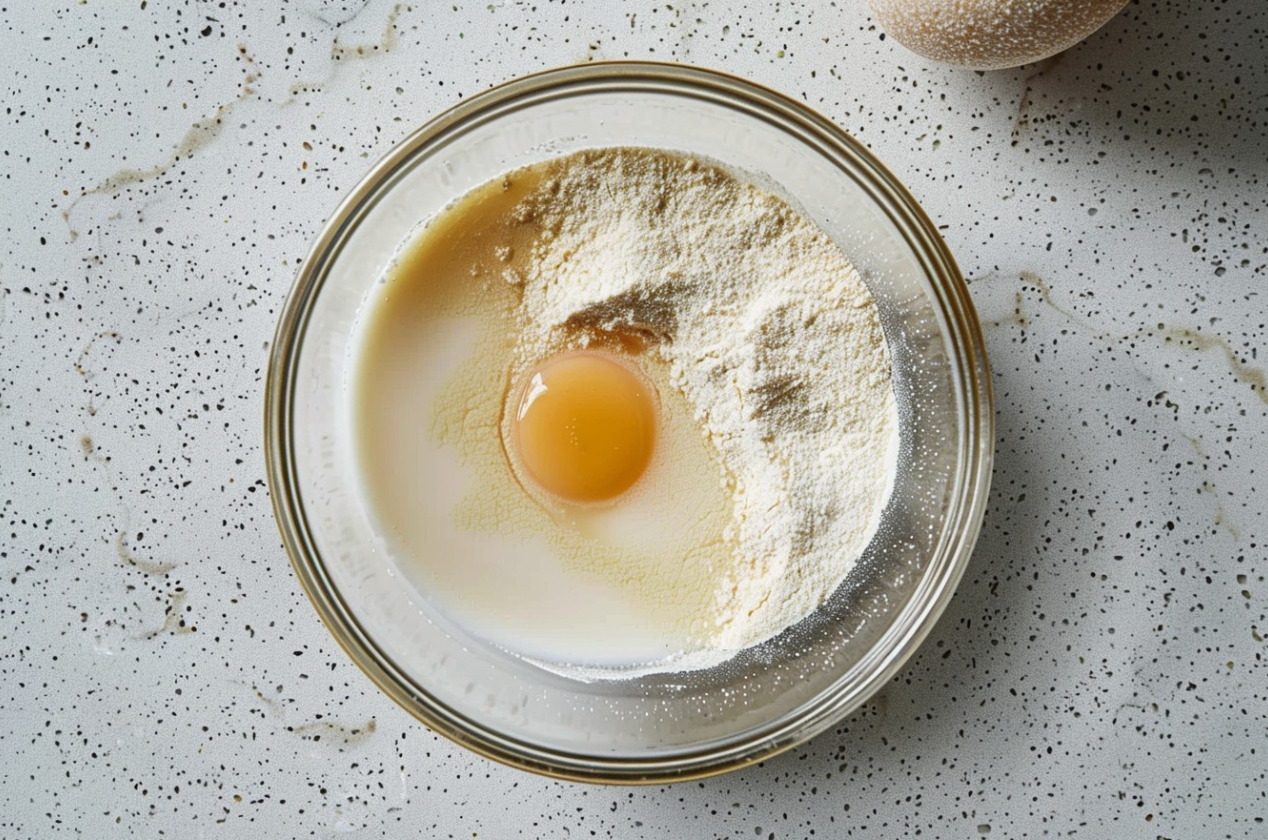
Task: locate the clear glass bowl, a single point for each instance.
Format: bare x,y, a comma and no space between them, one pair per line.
660,727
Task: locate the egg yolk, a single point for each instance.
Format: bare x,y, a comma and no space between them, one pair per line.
585,427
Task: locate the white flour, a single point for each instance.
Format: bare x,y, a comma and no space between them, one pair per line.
767,330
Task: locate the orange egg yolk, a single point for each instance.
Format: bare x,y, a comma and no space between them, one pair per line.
584,427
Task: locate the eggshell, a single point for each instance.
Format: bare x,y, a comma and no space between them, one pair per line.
992,34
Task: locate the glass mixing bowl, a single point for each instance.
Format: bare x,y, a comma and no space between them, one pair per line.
667,726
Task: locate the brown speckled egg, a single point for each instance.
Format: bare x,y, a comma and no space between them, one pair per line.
992,34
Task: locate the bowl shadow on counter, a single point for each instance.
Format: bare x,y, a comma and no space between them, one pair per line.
961,673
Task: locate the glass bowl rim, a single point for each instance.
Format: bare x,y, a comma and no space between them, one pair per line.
976,446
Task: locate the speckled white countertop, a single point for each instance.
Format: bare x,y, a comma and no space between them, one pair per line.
1100,672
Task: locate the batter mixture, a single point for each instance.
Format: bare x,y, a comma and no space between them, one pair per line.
623,408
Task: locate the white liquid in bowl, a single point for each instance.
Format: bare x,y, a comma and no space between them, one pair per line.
541,578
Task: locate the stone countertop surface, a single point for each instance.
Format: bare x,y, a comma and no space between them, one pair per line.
165,166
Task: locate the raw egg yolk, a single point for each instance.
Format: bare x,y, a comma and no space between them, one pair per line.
585,426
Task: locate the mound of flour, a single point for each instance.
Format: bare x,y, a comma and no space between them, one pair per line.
767,330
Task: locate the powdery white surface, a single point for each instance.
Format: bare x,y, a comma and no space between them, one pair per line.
770,334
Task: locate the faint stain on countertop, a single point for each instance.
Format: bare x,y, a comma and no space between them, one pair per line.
124,551
1022,121
342,736
341,52
1184,338
197,137
173,616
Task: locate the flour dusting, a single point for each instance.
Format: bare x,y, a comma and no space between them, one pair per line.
766,329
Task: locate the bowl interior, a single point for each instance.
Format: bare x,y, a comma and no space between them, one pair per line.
663,725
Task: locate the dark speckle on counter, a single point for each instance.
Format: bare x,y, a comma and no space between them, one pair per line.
1100,671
